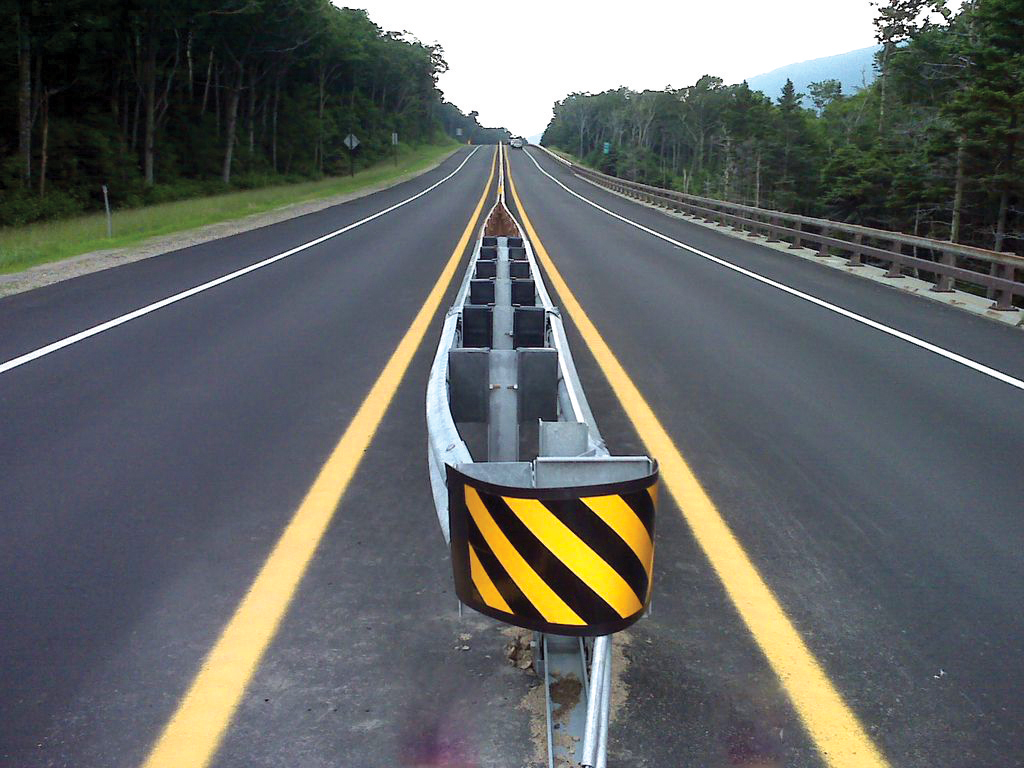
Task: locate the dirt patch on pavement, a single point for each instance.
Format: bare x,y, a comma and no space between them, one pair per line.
566,692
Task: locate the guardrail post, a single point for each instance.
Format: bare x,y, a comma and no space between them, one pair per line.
855,254
945,283
755,226
993,271
894,267
823,247
797,243
1004,296
773,235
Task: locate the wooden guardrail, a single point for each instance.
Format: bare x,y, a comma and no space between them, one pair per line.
943,263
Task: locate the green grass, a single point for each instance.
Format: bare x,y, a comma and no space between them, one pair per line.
565,155
23,247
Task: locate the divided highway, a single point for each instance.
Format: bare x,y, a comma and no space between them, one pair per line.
149,470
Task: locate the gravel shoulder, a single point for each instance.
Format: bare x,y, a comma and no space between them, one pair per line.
95,261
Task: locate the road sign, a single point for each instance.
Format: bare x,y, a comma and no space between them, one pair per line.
458,131
351,141
607,147
394,138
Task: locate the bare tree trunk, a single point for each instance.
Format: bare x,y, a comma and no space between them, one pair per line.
884,78
216,94
124,96
115,98
232,121
321,102
135,119
206,88
24,98
191,71
273,121
1004,199
44,140
1004,196
958,194
757,181
149,83
264,109
252,111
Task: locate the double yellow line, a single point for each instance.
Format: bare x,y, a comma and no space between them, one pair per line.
191,738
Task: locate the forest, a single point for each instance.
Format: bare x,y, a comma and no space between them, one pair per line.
930,148
166,99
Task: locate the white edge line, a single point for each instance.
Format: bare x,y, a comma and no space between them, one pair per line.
121,320
965,361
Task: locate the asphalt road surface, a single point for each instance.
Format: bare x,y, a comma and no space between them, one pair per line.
148,470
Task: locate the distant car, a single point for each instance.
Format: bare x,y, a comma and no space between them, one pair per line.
516,143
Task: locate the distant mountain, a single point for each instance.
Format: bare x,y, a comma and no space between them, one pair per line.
854,70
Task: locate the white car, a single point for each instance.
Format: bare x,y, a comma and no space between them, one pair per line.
516,143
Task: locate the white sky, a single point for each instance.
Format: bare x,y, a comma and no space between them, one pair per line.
512,60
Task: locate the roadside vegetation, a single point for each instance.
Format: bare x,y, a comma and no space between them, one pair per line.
932,147
165,100
46,241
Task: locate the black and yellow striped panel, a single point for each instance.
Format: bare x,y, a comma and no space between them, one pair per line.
568,561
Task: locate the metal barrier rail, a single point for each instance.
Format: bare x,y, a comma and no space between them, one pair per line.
952,262
558,536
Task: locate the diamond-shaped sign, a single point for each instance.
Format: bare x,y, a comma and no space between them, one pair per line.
351,141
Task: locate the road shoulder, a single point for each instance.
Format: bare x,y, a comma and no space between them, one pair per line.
96,261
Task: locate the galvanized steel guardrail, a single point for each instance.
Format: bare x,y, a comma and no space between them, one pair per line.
538,539
949,263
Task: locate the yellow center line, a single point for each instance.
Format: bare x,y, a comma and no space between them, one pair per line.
839,736
191,738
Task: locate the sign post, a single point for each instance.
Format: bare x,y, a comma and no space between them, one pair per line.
394,145
106,205
351,142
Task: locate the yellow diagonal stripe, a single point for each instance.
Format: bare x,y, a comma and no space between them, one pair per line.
621,518
484,585
835,729
576,555
544,599
193,734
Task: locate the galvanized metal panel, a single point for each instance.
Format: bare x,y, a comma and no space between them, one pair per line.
503,405
481,292
562,438
524,293
596,470
476,326
538,384
529,326
468,380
